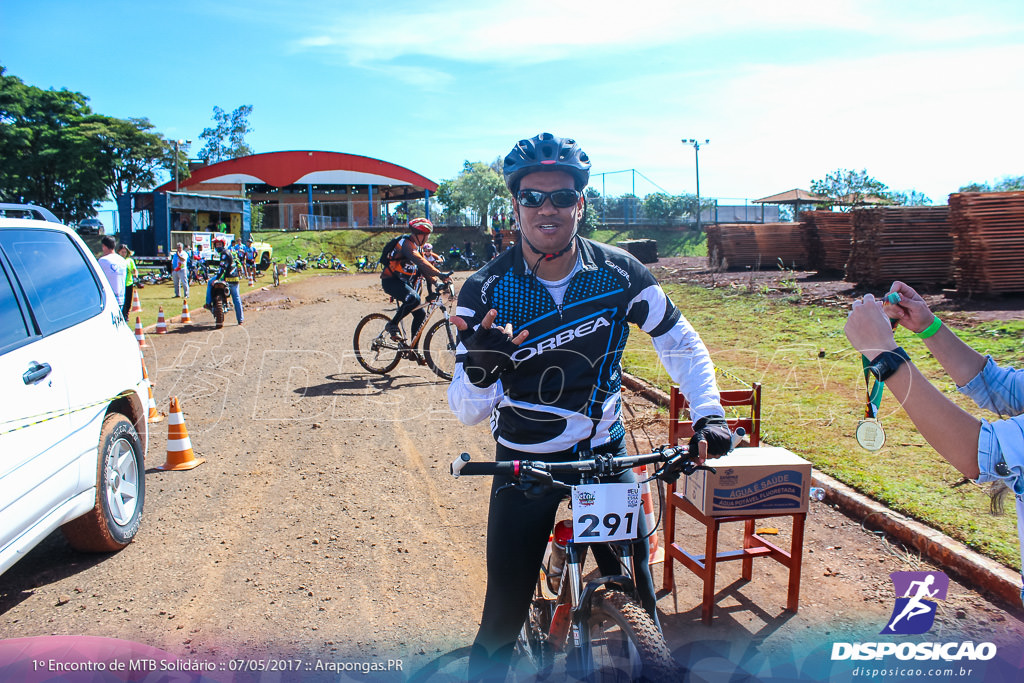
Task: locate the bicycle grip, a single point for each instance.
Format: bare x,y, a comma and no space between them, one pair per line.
462,466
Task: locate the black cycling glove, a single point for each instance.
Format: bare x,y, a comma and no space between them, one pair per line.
489,353
715,430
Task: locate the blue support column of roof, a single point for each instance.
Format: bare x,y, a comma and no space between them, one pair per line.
309,197
426,203
369,203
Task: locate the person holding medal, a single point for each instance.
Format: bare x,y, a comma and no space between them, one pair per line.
979,449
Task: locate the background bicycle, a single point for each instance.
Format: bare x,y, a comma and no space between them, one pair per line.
377,351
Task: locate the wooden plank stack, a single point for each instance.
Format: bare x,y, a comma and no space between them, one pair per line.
829,235
988,228
909,243
756,245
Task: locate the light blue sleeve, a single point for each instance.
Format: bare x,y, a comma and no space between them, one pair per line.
1000,390
1001,442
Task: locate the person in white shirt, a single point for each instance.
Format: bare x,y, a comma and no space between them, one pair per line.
114,268
179,270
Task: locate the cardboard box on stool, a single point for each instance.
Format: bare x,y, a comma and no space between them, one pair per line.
766,479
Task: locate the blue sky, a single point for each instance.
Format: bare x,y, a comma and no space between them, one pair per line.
925,95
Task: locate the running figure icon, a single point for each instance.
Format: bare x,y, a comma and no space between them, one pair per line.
916,608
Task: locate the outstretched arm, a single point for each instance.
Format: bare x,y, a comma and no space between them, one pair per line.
950,430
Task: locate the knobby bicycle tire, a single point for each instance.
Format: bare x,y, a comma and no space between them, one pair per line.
374,349
439,349
624,644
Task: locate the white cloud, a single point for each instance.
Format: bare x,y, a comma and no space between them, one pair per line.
534,31
926,120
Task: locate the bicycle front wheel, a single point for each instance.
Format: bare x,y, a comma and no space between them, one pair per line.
439,349
624,643
375,350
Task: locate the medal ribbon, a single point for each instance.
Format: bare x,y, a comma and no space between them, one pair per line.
874,392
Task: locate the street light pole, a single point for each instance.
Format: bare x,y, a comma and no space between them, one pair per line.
177,144
696,167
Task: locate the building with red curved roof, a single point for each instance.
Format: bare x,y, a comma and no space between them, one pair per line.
304,189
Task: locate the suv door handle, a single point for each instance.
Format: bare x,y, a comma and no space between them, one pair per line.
36,372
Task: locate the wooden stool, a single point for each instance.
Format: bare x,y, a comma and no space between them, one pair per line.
704,566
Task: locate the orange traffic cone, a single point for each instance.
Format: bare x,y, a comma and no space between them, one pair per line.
145,375
136,306
139,337
185,317
179,447
161,324
154,414
657,553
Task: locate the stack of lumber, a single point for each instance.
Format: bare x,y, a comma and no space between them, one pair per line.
909,243
756,245
988,228
829,236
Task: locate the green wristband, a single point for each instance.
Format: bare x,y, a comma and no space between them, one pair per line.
931,329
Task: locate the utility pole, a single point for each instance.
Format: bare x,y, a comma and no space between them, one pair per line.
696,166
177,144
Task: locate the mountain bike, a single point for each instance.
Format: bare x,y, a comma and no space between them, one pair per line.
599,624
380,352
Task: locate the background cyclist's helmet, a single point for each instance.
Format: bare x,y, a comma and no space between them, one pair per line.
545,152
421,225
218,242
428,247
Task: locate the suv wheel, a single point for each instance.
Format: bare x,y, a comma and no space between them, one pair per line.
120,491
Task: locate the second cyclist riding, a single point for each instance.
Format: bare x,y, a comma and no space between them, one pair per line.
380,351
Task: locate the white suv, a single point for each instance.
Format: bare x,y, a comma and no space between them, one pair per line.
73,404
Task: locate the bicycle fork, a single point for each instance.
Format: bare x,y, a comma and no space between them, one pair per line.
580,596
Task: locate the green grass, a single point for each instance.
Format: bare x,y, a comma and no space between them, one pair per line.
152,297
670,242
349,244
813,395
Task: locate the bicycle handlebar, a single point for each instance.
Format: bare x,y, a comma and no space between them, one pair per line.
675,458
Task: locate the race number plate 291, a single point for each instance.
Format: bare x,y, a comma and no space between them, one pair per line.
605,512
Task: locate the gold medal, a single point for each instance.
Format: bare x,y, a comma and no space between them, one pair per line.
870,434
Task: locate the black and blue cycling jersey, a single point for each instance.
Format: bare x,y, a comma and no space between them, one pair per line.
562,392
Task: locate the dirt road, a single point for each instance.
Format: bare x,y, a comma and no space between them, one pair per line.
324,528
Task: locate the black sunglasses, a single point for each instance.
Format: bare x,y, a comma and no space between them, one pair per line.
533,199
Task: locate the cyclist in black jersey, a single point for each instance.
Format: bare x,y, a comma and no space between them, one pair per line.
541,333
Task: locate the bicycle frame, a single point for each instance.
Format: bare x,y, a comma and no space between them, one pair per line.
433,303
569,608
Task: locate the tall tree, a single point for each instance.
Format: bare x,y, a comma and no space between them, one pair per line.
226,139
49,157
852,188
478,187
132,152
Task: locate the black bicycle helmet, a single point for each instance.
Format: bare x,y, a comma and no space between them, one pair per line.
545,152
